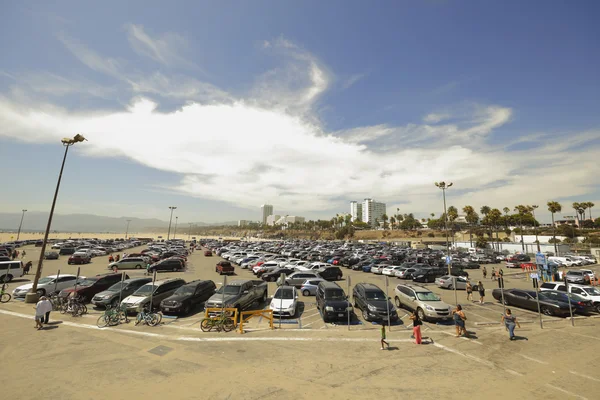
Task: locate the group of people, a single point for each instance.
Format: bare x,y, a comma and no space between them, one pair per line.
15,254
495,274
42,312
417,323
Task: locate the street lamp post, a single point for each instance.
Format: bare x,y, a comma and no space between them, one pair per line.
444,186
21,224
33,296
190,231
170,219
535,227
175,230
127,229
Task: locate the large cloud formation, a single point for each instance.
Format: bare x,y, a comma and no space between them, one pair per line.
269,144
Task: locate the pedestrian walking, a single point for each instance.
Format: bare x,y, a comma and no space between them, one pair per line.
111,259
469,291
41,308
148,269
48,305
23,254
14,254
493,274
383,337
459,320
117,258
484,272
481,290
27,267
416,326
510,321
500,273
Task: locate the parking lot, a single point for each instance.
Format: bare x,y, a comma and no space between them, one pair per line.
306,358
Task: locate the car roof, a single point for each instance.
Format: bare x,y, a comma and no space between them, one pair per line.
329,285
136,279
61,275
166,280
369,286
416,288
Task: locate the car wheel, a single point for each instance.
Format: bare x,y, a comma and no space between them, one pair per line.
546,311
398,304
339,277
114,303
187,309
365,315
264,298
41,292
421,314
293,313
138,267
306,292
598,308
450,287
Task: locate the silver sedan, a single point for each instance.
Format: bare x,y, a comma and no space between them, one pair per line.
446,282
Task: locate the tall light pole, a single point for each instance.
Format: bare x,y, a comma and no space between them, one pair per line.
32,296
533,207
21,224
444,186
175,231
127,229
190,231
170,219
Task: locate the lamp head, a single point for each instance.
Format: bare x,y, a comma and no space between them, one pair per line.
450,184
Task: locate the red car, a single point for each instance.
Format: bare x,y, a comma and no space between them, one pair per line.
208,253
79,259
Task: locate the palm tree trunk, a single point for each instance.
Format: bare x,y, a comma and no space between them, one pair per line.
554,236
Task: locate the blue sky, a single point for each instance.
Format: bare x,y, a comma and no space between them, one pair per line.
219,107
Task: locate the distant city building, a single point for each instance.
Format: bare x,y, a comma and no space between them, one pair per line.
266,210
356,211
244,222
372,212
289,219
271,219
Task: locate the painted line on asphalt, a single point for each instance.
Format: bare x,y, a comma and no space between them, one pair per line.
566,391
586,336
532,359
585,376
510,371
463,338
311,315
460,353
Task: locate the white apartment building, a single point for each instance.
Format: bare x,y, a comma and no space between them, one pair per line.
356,211
289,219
372,212
244,222
266,210
272,219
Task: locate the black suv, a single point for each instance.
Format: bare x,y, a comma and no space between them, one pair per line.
426,275
332,302
169,264
120,290
330,273
64,251
188,296
373,303
272,276
90,286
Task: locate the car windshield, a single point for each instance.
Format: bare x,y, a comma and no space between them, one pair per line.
375,295
427,296
87,282
335,294
285,294
116,287
45,280
592,291
145,290
229,290
185,290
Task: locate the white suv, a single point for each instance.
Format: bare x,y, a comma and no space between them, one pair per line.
588,292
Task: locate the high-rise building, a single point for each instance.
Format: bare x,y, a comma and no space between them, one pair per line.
372,212
266,210
356,211
272,219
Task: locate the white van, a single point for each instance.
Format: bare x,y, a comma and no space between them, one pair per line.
10,270
562,261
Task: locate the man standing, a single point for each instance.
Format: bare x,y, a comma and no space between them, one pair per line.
42,312
47,309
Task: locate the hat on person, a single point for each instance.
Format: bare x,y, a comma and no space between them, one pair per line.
43,298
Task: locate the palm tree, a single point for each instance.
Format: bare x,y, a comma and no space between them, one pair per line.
452,215
554,207
485,210
522,210
532,210
590,205
494,217
392,222
577,207
384,218
472,218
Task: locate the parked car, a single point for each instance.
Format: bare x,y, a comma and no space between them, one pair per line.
93,285
426,275
119,291
272,276
80,258
160,290
519,258
129,263
224,267
576,276
169,264
298,278
447,282
309,287
285,301
208,253
579,304
527,299
10,270
330,273
47,285
188,296
374,304
51,255
587,292
65,251
428,305
332,302
239,293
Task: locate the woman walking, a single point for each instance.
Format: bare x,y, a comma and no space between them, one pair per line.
484,272
459,320
510,321
481,290
383,337
469,291
416,326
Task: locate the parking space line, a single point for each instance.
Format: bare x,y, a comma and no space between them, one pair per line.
460,353
462,337
309,324
566,391
585,376
586,336
532,359
311,315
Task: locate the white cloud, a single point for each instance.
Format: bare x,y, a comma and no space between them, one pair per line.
164,49
90,58
352,80
434,118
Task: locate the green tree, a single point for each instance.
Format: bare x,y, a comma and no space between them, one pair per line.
554,207
392,222
472,219
385,218
494,217
589,206
481,243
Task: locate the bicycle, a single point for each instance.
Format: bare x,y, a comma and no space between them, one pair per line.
58,303
221,322
4,295
74,306
148,317
113,316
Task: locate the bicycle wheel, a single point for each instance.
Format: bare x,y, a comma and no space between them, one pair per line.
123,316
228,325
152,319
159,316
113,319
5,298
76,310
102,321
83,308
206,325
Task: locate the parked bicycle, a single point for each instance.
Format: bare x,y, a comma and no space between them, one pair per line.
220,322
113,316
148,317
74,306
58,303
4,295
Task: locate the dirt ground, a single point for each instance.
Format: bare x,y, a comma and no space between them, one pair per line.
305,359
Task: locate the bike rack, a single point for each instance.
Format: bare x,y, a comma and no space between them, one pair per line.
247,315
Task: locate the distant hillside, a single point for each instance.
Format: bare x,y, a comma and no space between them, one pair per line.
36,221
